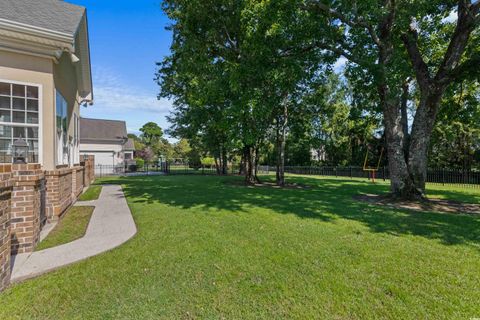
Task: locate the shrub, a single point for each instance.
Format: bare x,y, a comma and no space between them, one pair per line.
140,162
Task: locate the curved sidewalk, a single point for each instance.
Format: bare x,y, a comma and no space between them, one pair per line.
111,225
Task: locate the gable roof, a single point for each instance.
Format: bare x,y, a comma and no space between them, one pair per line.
103,131
130,145
51,29
54,15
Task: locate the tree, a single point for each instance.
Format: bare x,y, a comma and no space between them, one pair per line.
434,78
136,141
210,76
456,136
151,133
378,38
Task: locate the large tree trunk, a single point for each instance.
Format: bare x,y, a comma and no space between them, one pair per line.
420,138
401,184
256,163
277,147
249,164
217,166
404,119
281,161
281,142
242,169
224,162
432,87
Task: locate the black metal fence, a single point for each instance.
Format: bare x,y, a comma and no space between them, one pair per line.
442,176
159,168
102,170
173,168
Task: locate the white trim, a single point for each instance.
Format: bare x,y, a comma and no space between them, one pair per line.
31,53
34,30
40,124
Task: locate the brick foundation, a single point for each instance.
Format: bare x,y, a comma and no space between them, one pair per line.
88,163
58,185
28,196
77,182
26,208
5,205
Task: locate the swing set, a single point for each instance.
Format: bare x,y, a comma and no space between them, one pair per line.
372,169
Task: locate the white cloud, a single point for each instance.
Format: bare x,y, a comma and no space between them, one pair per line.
452,17
113,93
340,64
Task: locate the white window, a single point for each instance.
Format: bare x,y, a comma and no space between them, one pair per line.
19,118
63,150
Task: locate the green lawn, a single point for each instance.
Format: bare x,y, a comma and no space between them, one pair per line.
72,226
208,249
92,193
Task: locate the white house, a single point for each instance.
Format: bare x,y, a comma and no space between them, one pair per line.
44,79
106,140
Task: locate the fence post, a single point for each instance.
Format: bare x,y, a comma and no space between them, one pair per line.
351,175
384,178
443,176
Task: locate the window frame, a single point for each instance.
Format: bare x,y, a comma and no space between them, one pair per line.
40,114
65,143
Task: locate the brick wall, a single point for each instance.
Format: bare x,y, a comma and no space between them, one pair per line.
26,207
88,162
28,196
77,182
58,188
5,205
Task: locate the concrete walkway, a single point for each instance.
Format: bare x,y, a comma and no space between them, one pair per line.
111,225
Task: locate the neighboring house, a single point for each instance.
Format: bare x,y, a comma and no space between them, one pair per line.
318,154
106,140
129,151
45,77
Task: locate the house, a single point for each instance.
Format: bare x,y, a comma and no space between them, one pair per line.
318,154
45,77
107,141
129,151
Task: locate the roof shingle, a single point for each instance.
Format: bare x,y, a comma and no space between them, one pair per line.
130,145
54,15
102,131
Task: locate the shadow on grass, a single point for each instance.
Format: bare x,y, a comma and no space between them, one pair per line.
326,200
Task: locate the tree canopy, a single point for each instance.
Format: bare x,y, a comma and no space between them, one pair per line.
259,80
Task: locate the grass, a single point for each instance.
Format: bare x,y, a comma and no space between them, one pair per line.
72,226
92,193
210,249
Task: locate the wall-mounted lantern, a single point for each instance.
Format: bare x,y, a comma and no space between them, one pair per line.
20,151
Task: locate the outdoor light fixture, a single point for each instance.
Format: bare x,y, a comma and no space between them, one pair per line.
20,151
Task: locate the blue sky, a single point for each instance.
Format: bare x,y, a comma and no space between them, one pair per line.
127,37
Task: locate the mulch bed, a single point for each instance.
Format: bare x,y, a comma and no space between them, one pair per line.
439,205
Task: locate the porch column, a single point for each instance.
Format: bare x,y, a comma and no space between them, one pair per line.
27,215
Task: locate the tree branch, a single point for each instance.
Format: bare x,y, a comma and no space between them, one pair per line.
341,50
419,66
475,7
466,69
466,22
353,22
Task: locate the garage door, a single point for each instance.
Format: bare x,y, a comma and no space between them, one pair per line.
104,158
103,162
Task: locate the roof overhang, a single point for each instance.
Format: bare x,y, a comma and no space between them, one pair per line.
26,39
